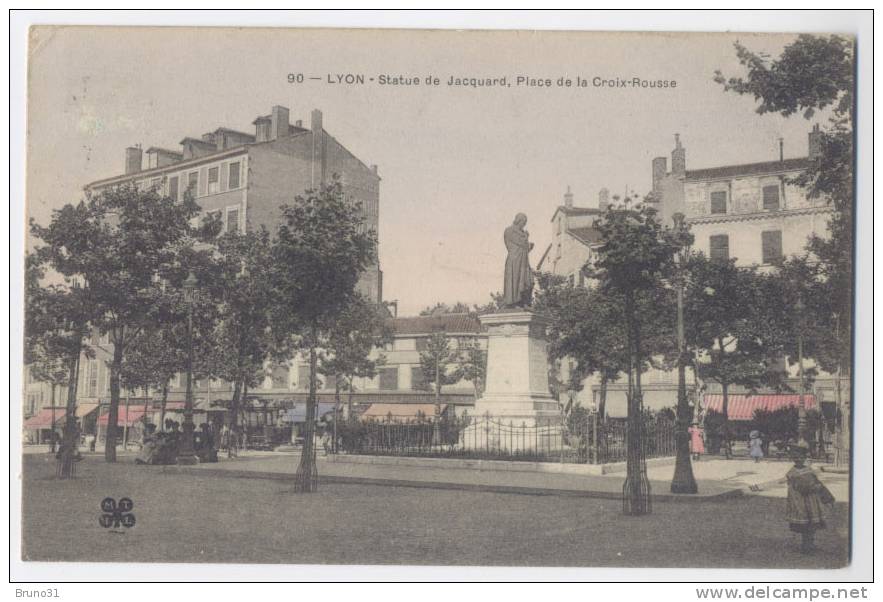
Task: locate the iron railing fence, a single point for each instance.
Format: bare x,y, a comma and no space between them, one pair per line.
586,440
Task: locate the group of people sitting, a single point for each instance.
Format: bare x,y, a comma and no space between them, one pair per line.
163,447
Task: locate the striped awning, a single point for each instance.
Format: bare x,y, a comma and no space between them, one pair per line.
742,407
401,411
84,409
43,418
126,417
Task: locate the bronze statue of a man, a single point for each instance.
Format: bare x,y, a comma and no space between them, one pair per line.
518,279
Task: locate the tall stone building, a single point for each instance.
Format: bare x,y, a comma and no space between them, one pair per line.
245,177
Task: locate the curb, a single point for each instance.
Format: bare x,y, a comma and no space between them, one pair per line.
512,489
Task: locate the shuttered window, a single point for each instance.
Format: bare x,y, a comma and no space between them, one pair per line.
418,382
771,198
234,176
772,246
280,377
303,377
719,247
173,188
719,202
389,379
192,182
214,182
233,220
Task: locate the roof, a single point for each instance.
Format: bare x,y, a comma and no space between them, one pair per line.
749,169
232,131
576,211
159,149
742,407
401,410
587,235
190,139
543,258
450,323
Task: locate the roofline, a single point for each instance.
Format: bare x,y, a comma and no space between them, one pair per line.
543,258
587,210
171,167
745,166
580,240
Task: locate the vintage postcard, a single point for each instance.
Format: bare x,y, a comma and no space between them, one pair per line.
440,298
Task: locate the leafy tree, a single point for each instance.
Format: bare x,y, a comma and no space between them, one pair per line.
122,243
242,341
358,330
443,308
730,318
818,73
635,255
320,251
439,364
57,319
472,364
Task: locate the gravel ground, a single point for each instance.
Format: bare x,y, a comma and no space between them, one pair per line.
182,518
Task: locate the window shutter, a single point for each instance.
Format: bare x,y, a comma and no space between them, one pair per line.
203,181
771,198
224,168
719,247
771,243
389,379
719,202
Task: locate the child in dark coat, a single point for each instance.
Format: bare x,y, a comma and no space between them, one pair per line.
806,494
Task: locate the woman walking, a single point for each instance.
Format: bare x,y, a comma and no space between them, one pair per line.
755,446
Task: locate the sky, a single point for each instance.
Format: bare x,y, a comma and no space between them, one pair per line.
457,163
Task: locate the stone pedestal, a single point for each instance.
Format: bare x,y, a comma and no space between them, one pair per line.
516,409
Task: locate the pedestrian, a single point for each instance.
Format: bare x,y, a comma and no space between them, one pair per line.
697,440
806,494
755,446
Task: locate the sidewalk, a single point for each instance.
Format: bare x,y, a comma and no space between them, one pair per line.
717,479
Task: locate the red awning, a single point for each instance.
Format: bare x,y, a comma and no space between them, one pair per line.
742,407
43,418
124,418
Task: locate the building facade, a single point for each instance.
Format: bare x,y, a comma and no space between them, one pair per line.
244,178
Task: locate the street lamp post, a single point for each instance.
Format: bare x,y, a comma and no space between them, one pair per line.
185,449
801,404
683,480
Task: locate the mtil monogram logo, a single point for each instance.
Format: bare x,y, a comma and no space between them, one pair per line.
116,514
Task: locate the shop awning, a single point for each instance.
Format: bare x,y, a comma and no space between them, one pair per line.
43,418
401,411
84,409
299,412
125,418
742,407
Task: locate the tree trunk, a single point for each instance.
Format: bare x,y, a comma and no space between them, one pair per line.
602,398
683,480
336,411
52,432
110,439
636,489
65,469
162,405
725,426
349,402
306,478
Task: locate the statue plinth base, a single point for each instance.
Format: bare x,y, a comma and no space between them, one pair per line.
516,399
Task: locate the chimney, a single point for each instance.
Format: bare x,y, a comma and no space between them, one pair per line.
133,159
568,198
603,199
660,167
278,122
815,142
374,169
678,158
262,128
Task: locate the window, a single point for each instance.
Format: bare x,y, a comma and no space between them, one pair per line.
422,343
173,188
234,175
280,377
93,378
582,279
418,381
719,202
719,247
232,220
303,377
156,184
389,346
770,198
214,182
771,246
389,379
192,182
